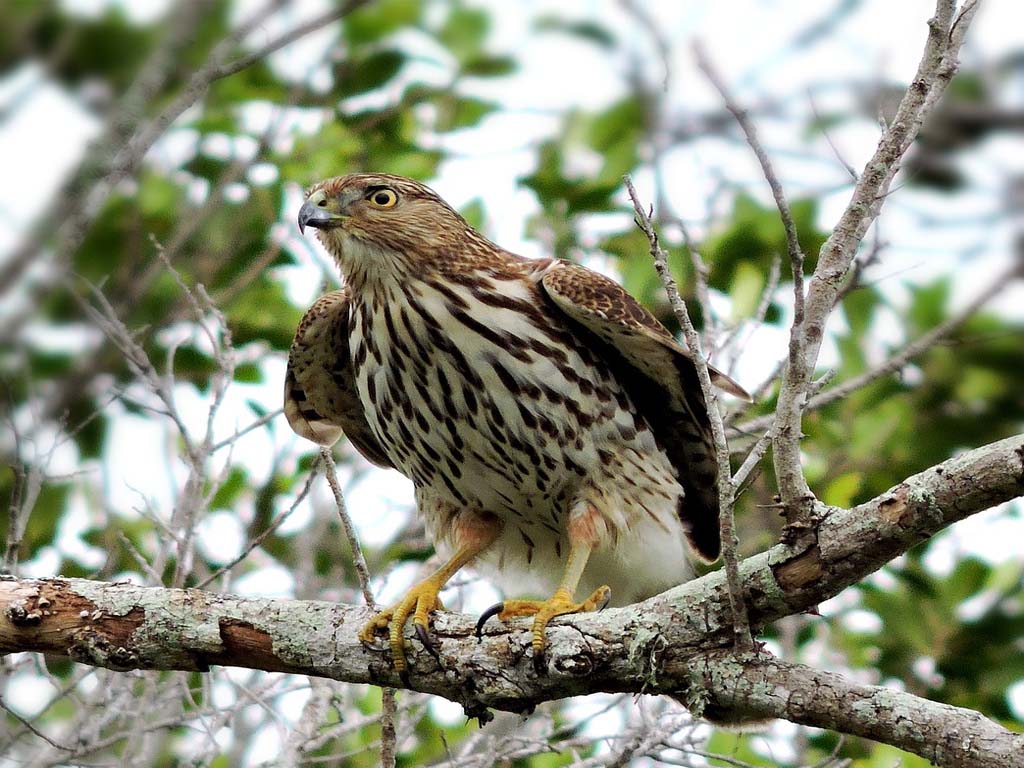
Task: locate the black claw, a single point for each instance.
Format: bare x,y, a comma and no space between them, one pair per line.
428,641
494,610
539,662
607,599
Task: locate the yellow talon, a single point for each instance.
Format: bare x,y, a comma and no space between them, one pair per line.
543,611
418,602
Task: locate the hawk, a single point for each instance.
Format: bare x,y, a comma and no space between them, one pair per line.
556,433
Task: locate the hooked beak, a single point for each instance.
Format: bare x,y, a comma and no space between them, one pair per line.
319,218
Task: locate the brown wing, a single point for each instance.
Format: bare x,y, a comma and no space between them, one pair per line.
320,398
662,380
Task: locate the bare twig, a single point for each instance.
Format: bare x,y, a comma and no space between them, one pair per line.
754,456
937,65
362,572
796,255
388,733
659,137
265,419
257,540
388,713
850,170
795,485
741,624
30,727
897,361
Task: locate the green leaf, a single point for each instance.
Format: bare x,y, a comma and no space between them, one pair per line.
473,212
376,20
263,313
929,304
620,121
248,373
455,112
463,32
233,486
585,30
754,235
110,48
747,286
367,74
859,308
489,66
842,490
42,525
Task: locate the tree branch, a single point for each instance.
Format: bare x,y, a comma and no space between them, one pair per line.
901,358
726,489
672,643
944,734
938,63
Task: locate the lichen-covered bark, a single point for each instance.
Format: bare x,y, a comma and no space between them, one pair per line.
950,736
676,642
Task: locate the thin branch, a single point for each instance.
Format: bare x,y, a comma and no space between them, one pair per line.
274,525
754,456
362,572
936,68
791,485
388,743
741,624
763,686
900,359
850,170
388,732
796,255
265,419
30,727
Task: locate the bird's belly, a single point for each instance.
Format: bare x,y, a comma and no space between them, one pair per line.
510,418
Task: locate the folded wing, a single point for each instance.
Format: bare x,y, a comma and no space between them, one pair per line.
320,398
661,378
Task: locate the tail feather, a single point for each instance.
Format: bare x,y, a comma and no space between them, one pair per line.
693,452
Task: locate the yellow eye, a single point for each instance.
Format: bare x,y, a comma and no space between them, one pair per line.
382,198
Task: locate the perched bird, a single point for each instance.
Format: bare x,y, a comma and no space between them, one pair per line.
555,431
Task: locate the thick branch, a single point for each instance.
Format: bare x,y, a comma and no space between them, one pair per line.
946,735
662,645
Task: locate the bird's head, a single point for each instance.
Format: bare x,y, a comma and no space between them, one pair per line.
375,223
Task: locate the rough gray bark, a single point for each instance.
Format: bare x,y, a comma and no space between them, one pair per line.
674,643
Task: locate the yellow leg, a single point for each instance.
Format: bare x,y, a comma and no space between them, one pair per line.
558,604
419,601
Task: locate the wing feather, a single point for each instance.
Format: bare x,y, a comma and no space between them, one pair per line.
662,379
320,398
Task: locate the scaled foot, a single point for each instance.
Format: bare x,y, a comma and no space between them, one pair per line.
559,604
418,602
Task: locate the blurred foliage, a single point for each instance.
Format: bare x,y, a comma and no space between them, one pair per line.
965,392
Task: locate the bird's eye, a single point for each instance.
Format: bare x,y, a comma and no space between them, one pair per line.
382,198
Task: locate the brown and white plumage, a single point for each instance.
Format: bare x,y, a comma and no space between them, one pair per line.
320,398
537,407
